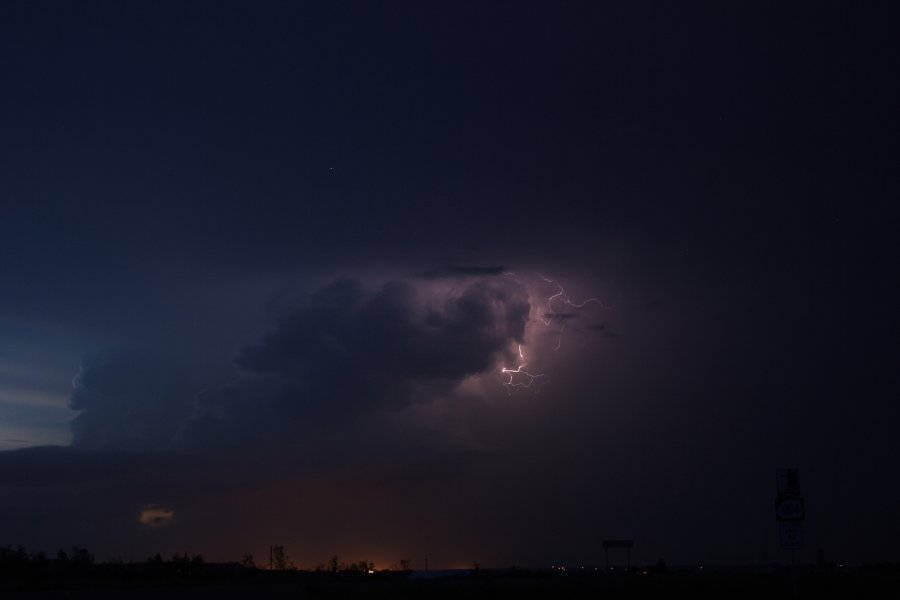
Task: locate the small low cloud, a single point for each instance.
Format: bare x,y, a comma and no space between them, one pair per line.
154,516
603,329
559,317
458,271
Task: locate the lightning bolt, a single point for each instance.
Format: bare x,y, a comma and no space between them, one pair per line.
549,314
552,315
562,296
519,378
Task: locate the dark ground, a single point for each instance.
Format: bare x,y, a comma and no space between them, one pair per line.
485,584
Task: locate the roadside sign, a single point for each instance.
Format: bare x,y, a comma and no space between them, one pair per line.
787,482
789,509
791,535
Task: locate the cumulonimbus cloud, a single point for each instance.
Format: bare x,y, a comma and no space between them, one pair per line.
342,351
346,351
130,400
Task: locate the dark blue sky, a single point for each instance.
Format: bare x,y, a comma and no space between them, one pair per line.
285,251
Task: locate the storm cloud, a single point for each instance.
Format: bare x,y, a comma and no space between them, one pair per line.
346,352
341,354
130,400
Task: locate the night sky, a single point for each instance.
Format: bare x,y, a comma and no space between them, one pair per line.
263,264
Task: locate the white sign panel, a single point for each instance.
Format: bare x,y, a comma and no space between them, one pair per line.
791,535
790,509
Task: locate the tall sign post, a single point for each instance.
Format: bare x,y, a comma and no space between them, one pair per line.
790,511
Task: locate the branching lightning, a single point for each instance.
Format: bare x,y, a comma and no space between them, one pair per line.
519,378
553,314
550,314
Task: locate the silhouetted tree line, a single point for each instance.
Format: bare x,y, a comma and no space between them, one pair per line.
279,560
335,566
77,566
178,566
18,566
19,563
